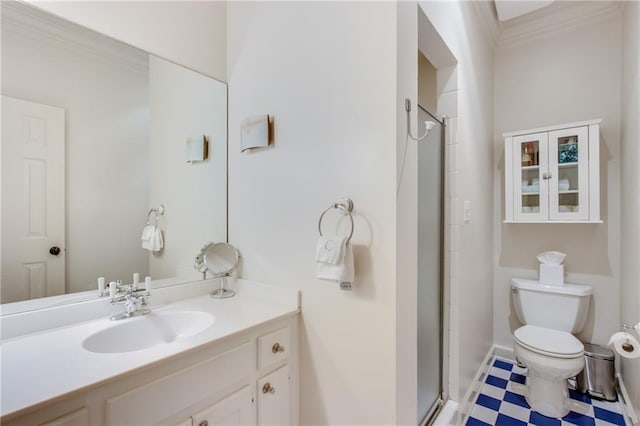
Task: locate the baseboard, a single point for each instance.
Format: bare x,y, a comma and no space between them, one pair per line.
464,409
632,417
504,352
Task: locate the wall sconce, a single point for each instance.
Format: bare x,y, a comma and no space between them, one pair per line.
256,132
197,150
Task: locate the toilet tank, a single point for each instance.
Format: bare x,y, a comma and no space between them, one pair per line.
559,307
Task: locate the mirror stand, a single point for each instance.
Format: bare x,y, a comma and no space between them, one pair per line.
222,293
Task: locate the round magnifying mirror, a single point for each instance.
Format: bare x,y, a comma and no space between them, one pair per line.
221,259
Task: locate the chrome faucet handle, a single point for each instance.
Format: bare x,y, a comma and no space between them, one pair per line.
133,299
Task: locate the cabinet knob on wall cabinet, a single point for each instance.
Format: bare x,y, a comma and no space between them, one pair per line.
267,388
546,176
277,347
203,423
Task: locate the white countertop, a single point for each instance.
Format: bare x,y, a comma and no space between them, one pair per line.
49,364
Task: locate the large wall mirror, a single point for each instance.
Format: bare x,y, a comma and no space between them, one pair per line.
96,134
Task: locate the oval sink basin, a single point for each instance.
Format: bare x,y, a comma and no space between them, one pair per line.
146,331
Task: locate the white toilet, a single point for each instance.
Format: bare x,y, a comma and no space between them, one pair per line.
545,344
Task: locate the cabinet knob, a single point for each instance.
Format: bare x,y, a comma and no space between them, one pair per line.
277,347
546,175
203,423
55,250
267,388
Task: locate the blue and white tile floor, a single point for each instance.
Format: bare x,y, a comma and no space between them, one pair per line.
501,402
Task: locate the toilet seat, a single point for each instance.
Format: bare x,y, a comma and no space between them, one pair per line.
545,341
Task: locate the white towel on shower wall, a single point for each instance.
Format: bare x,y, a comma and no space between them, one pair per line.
329,249
152,238
340,272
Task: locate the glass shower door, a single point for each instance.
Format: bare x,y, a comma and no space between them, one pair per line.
430,225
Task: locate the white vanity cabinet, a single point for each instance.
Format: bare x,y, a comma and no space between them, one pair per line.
247,378
552,174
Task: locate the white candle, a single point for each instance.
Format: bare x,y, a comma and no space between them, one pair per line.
101,286
112,290
136,280
147,284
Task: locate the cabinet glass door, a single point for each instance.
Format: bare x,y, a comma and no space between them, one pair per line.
569,170
530,167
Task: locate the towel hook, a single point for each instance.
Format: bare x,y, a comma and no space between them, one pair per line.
346,205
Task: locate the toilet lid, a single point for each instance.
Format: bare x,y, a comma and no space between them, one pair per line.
547,341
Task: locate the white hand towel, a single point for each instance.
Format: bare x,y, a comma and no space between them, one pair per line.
152,238
329,249
147,233
341,272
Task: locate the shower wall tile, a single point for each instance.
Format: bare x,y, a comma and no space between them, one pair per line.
454,260
453,131
454,324
452,184
454,233
453,364
455,215
452,157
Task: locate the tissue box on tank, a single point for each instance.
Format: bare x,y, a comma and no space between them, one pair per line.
552,274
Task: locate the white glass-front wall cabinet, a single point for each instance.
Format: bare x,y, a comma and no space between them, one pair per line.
552,174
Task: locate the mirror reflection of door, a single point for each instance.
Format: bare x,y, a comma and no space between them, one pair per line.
33,200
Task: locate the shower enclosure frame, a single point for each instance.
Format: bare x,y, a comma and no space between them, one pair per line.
437,405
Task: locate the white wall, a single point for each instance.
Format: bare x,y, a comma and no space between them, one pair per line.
630,183
106,104
470,250
327,73
191,33
406,218
568,76
185,105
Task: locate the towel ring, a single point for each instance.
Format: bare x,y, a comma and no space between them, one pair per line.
346,206
157,212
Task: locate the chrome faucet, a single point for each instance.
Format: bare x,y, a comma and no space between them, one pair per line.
132,297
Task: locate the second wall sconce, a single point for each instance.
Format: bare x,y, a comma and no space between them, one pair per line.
256,132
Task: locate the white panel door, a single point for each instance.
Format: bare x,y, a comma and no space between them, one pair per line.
33,200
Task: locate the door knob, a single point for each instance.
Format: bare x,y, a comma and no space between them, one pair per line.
54,250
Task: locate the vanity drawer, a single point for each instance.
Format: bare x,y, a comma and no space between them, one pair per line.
273,347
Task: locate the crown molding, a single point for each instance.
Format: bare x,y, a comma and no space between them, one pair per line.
28,21
488,17
556,18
